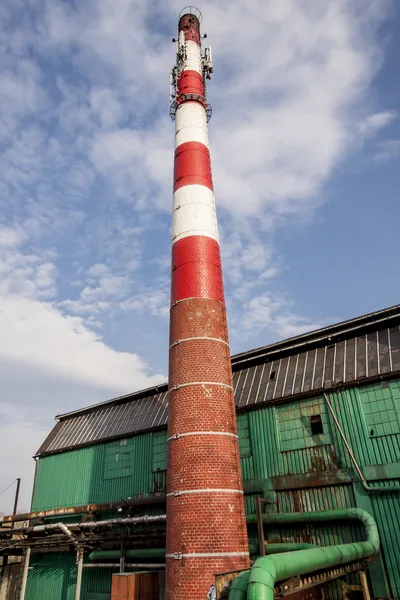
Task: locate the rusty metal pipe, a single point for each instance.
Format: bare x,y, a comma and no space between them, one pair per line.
92,525
153,500
53,526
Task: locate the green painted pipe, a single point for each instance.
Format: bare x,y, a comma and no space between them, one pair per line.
238,588
346,514
287,547
137,553
259,583
160,552
281,547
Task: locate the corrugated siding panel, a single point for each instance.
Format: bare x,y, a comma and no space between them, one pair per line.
97,583
315,500
368,450
52,576
387,514
57,483
265,443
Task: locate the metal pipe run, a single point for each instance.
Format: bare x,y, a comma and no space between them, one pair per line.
153,500
281,547
364,483
52,527
287,547
27,557
346,514
89,525
79,567
160,552
128,553
153,566
259,582
128,521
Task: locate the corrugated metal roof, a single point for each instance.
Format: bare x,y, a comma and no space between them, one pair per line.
108,421
356,350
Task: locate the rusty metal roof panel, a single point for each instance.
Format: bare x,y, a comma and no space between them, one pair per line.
269,377
104,423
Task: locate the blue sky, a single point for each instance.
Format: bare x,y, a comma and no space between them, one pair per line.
305,143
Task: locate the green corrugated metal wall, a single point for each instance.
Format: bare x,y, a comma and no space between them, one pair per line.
275,441
53,577
78,476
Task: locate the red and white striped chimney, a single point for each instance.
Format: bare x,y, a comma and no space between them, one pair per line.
206,525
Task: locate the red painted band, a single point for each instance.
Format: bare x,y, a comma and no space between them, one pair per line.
192,165
196,269
191,82
190,25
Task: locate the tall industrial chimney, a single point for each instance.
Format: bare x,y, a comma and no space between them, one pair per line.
206,526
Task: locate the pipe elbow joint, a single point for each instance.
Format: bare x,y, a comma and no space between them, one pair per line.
262,579
238,588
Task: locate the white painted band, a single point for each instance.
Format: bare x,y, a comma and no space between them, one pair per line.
193,57
194,213
202,337
178,555
195,298
205,491
191,124
181,385
176,436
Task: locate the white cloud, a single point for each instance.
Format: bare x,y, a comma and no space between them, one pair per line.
373,123
106,107
386,151
98,269
10,237
37,334
274,314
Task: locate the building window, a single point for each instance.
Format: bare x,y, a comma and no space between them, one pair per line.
381,407
303,425
244,435
117,459
316,425
159,466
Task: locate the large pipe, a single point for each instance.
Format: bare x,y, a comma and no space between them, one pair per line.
135,553
160,552
268,570
79,570
259,582
364,483
287,547
153,500
345,514
152,566
25,572
206,527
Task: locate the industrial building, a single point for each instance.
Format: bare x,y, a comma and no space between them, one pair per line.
275,472
318,419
